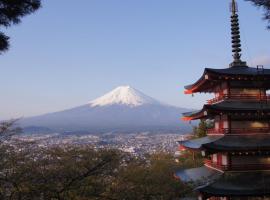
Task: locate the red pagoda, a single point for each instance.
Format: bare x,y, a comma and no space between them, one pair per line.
237,148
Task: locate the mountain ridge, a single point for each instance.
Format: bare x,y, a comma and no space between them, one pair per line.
125,95
122,109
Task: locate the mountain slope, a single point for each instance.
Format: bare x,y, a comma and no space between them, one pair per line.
123,109
124,95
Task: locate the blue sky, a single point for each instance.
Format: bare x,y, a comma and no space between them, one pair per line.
71,52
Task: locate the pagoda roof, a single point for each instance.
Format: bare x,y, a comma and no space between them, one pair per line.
230,143
240,105
228,107
239,143
239,184
197,114
242,70
197,143
200,175
205,83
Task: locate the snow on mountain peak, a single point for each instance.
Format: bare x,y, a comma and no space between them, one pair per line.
124,95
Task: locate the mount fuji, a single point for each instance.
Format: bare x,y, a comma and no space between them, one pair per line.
122,109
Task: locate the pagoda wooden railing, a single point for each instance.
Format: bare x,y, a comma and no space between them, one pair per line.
234,131
241,97
238,167
248,166
215,165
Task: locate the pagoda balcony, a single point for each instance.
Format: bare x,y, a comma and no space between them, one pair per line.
237,167
247,167
239,97
210,163
238,131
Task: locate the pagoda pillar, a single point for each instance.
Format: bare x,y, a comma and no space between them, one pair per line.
229,124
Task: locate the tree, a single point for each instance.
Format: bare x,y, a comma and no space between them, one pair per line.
201,130
83,173
150,179
56,173
7,129
11,12
265,4
28,171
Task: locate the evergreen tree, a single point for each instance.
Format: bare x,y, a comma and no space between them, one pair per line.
152,179
265,4
201,130
87,174
7,129
11,12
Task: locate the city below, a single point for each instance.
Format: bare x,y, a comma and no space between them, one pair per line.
137,144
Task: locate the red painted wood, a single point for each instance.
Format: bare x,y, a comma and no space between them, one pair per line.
242,97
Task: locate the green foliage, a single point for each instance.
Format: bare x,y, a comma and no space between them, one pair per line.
7,129
152,180
85,174
190,159
264,4
75,173
11,12
201,130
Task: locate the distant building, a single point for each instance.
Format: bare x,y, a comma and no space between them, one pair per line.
237,149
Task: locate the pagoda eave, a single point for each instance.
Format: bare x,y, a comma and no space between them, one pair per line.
230,108
197,144
245,74
229,143
194,115
245,184
241,143
198,175
204,84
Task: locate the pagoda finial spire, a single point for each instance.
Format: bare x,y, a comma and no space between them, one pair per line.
236,41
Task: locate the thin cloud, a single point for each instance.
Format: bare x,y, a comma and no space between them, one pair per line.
261,60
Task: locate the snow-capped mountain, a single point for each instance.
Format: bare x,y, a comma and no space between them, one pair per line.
122,109
124,95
